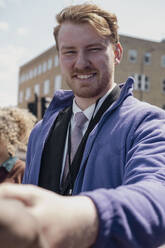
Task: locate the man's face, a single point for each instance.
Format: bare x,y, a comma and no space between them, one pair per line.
86,59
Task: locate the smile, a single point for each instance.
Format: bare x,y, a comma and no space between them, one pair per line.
85,76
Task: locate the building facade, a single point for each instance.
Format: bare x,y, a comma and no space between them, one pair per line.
142,59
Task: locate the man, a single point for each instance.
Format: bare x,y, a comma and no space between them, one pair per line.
119,166
87,64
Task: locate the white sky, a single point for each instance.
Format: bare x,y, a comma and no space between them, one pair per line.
26,30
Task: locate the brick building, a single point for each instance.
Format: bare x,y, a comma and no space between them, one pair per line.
142,59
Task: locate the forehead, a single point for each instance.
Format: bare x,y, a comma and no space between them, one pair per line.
84,34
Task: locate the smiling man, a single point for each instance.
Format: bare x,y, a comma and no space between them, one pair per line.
96,141
87,62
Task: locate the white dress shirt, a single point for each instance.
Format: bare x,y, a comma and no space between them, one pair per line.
90,112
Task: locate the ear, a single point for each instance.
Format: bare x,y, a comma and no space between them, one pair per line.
118,51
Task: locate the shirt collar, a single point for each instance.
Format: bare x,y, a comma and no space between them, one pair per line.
87,112
8,164
90,110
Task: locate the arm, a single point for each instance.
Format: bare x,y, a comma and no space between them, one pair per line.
64,221
133,215
18,228
31,151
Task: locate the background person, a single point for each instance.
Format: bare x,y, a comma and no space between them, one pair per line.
15,127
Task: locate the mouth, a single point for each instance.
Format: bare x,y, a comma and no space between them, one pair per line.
84,76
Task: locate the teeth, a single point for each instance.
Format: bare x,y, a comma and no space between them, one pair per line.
84,76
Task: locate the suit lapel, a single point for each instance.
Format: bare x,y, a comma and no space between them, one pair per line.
52,157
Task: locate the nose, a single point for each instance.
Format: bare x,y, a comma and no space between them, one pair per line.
81,61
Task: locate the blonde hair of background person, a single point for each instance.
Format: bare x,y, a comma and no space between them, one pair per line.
15,127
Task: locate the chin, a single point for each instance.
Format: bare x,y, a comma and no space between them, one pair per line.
87,95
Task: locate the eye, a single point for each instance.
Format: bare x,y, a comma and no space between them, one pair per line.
95,49
69,52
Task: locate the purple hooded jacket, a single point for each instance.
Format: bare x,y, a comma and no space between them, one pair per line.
122,169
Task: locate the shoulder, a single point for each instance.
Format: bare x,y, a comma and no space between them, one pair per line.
139,109
17,172
18,167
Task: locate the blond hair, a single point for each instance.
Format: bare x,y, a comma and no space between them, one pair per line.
104,22
15,127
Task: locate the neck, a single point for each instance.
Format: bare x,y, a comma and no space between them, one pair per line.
84,103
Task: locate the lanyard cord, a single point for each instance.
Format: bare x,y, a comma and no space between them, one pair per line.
69,154
69,144
75,166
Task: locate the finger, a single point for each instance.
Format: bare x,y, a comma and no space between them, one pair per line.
24,193
27,194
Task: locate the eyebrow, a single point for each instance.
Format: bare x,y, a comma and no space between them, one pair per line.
88,46
96,44
67,48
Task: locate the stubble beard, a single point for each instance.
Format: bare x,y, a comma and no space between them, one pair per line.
101,87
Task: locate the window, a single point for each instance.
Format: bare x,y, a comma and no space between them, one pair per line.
163,61
56,60
31,74
39,69
147,58
22,78
35,72
27,76
57,82
141,82
28,94
20,97
132,56
37,89
44,67
163,86
46,87
137,83
146,83
49,64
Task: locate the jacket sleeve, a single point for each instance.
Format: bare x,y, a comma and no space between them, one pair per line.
31,151
133,214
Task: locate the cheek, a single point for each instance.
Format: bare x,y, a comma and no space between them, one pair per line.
101,62
65,65
104,66
108,63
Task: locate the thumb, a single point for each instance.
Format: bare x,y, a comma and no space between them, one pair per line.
27,194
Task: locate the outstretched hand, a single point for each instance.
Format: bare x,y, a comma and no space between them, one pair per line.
64,221
18,228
